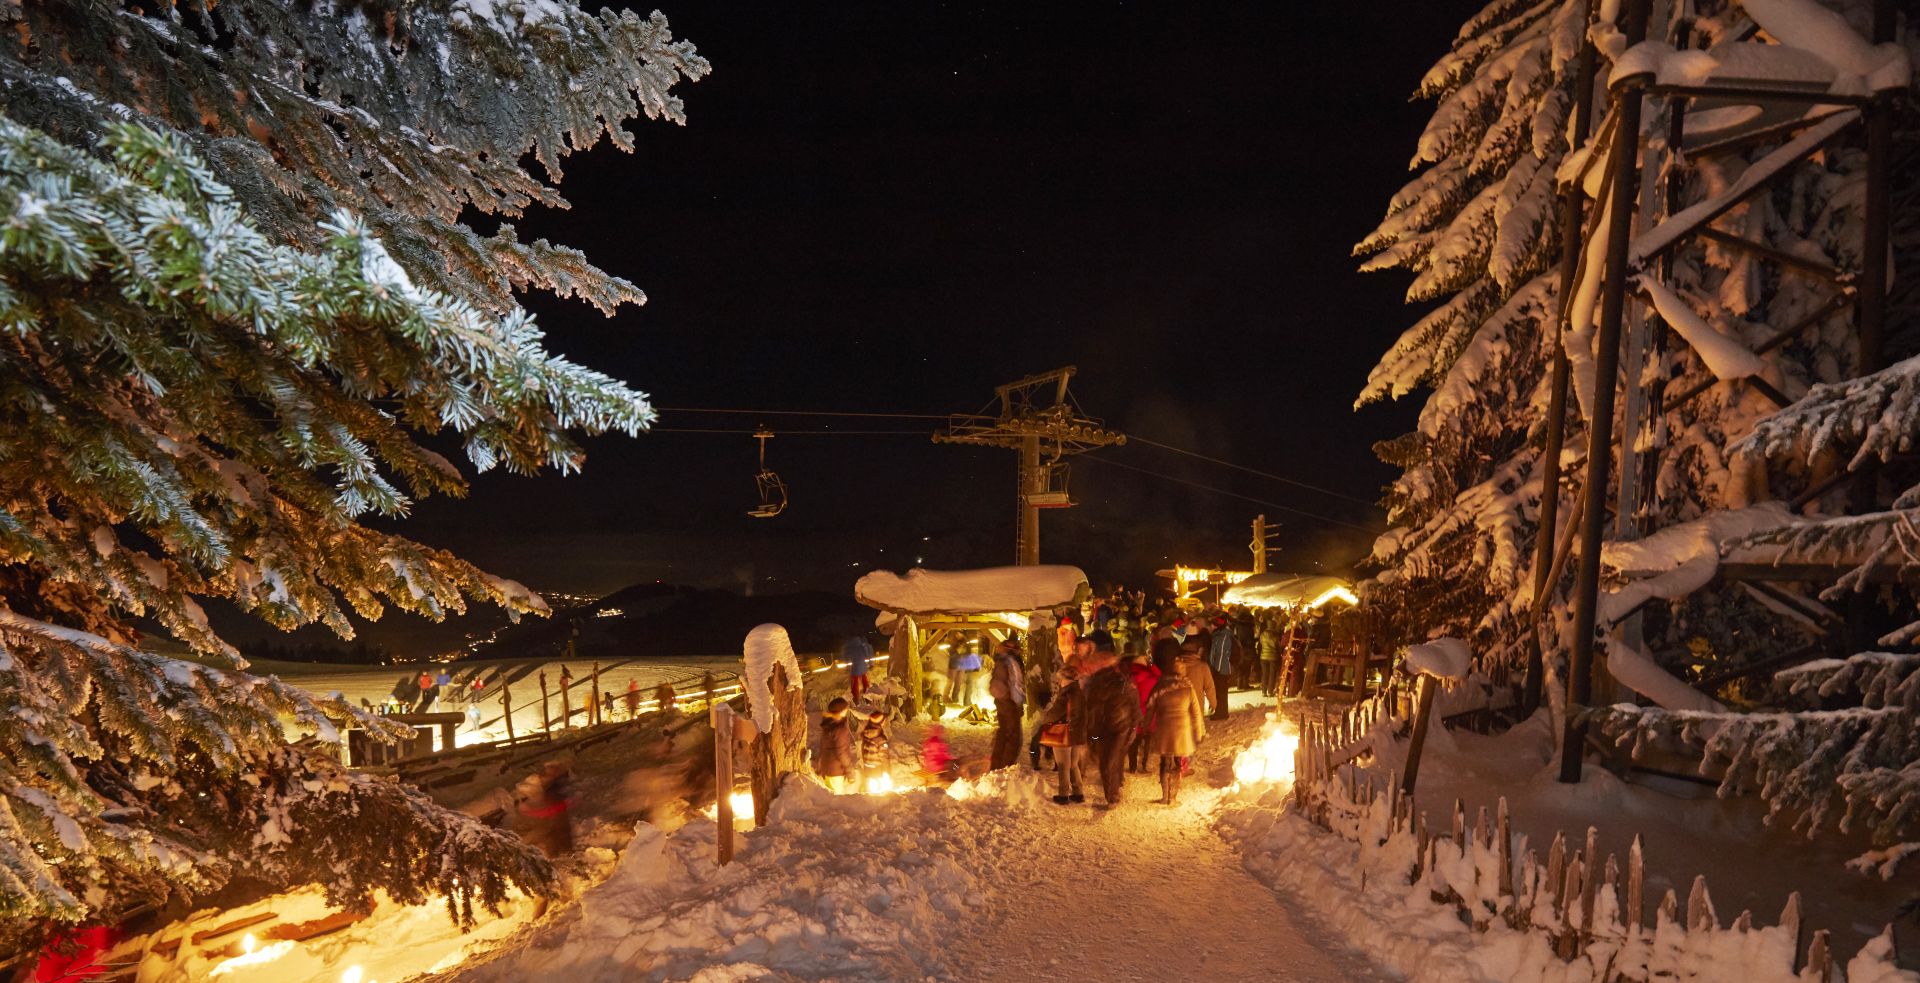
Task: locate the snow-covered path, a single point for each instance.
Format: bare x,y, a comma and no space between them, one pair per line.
1142,892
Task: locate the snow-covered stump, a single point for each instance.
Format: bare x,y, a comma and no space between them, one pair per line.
772,680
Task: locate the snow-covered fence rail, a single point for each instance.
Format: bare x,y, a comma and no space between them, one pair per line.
1574,905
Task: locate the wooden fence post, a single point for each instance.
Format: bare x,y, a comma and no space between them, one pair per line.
546,716
722,716
1423,709
506,706
706,681
594,715
566,702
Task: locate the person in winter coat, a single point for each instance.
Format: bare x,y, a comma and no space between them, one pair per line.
857,653
1008,687
1145,676
1245,652
663,697
1199,674
1069,707
875,758
633,697
1177,724
937,766
1111,717
1272,647
837,760
966,670
1220,657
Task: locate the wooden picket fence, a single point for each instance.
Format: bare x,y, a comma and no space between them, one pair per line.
1582,906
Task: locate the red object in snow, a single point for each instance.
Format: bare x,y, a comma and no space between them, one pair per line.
76,956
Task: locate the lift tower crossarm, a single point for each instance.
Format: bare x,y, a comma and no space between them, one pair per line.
1034,412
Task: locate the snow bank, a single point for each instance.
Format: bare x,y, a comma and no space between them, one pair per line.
986,591
834,887
768,646
1443,658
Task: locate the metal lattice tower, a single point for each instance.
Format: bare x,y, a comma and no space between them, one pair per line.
1037,417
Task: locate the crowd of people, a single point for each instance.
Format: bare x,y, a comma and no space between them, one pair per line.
1128,688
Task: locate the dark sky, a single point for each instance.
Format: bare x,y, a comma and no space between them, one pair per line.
898,206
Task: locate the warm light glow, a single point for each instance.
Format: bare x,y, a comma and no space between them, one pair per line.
881,784
742,804
252,954
353,975
1270,758
1185,577
1334,594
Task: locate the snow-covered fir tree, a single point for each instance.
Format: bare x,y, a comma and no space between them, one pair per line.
1477,227
235,293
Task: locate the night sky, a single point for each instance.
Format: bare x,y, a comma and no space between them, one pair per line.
896,207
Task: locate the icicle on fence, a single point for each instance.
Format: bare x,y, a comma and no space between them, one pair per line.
1584,908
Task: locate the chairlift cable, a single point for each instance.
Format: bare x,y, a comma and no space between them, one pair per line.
1222,491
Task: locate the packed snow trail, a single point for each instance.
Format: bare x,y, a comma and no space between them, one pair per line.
987,881
1141,892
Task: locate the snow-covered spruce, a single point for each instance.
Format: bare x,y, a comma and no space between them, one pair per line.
1477,227
1844,754
234,291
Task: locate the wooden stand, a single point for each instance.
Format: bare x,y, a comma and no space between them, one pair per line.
546,718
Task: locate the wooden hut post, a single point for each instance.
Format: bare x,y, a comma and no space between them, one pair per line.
906,655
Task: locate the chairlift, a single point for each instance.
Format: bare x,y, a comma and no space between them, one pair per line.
773,491
1054,494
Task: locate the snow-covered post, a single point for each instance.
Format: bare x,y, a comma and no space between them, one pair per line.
779,705
1442,658
506,706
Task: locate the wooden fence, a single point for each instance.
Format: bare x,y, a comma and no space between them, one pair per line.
1582,906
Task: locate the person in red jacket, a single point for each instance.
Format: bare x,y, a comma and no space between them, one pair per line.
1144,675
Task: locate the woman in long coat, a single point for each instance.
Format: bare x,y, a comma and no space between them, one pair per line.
1177,722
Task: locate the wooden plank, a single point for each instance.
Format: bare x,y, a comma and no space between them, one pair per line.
297,931
228,928
1423,711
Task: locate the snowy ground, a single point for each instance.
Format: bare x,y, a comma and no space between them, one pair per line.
990,881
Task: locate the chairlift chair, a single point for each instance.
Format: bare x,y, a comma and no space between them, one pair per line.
1054,495
773,491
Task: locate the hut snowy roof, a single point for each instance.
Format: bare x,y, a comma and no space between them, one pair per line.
992,590
1289,590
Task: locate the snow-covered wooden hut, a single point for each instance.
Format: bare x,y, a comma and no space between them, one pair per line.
923,608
